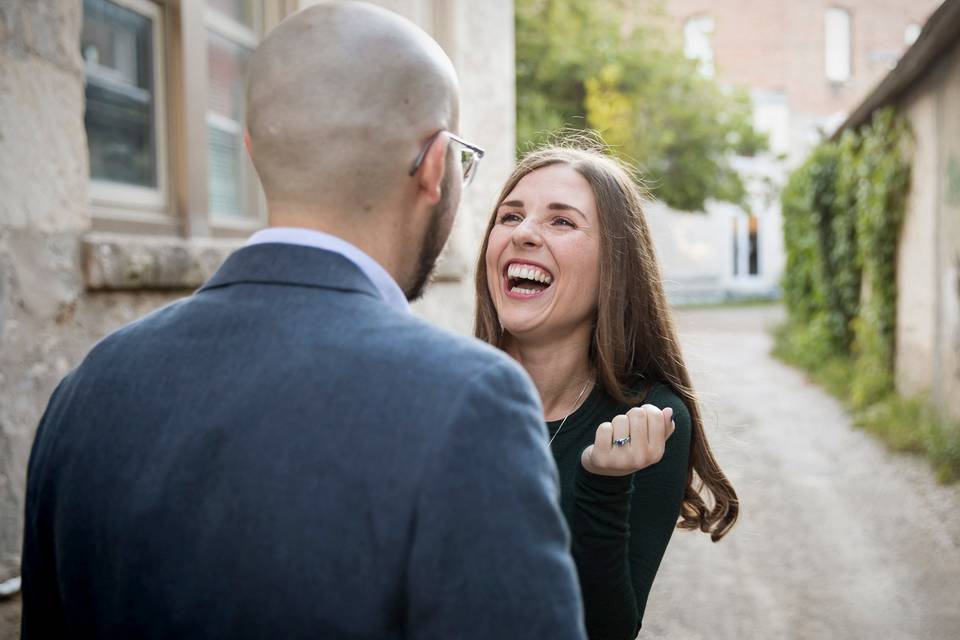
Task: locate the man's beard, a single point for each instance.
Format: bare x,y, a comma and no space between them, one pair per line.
433,240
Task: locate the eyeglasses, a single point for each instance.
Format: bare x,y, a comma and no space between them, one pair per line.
470,156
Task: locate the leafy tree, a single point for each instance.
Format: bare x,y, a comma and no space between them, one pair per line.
581,65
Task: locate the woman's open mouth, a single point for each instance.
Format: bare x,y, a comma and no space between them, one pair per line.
523,280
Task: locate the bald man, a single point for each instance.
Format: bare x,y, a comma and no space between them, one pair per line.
290,453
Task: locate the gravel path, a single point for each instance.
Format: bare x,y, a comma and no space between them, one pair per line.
837,538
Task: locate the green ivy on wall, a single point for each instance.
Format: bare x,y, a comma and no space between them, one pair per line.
842,211
881,194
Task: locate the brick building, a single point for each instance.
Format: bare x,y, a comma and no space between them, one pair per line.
806,65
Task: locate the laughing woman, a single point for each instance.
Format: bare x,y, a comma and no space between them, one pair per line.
568,284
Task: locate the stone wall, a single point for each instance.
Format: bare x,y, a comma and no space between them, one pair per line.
479,39
63,288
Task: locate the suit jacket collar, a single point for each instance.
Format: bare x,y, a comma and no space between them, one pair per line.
288,264
386,285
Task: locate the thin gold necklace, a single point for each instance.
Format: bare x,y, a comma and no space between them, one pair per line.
576,403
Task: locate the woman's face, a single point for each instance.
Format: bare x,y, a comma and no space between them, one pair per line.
543,255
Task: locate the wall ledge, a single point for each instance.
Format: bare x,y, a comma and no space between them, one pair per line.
126,262
121,262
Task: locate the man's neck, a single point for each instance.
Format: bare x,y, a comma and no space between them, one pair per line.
373,238
559,369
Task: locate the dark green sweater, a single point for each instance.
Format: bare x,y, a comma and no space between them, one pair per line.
620,526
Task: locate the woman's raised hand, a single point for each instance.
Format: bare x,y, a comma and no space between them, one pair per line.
629,442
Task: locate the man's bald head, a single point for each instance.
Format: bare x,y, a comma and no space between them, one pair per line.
340,96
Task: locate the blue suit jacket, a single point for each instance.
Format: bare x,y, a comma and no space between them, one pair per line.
284,455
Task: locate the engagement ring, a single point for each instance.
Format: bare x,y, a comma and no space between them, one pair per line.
620,442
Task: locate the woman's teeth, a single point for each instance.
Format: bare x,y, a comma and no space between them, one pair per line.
527,280
528,272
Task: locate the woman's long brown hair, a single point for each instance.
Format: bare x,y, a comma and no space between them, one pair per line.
634,340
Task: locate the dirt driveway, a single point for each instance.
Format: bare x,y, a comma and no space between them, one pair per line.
837,539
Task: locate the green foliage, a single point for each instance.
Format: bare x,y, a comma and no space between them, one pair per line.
884,182
823,276
844,256
905,425
802,280
842,212
579,67
913,426
806,346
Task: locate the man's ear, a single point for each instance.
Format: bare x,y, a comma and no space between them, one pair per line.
430,174
247,143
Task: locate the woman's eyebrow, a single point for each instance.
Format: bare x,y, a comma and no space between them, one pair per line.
553,206
559,206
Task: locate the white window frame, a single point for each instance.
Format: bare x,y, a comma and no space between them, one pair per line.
242,35
837,54
911,32
698,43
115,199
179,205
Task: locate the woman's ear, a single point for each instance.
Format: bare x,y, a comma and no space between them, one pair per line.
432,169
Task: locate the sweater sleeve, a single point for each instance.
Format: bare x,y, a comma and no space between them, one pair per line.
600,524
490,555
621,527
655,505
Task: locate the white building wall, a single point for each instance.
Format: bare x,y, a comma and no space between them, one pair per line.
696,249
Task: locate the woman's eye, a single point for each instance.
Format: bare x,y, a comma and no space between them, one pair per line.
507,218
563,222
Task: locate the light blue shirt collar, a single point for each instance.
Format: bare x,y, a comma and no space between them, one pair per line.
385,284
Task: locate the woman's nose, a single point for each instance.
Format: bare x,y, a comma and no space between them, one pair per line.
527,234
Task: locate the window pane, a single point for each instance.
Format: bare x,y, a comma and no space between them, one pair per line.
837,33
239,10
117,48
911,33
753,259
230,174
224,157
698,44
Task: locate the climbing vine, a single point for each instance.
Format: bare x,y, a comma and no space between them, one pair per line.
842,211
884,182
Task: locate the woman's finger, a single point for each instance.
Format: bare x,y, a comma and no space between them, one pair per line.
604,438
652,415
621,431
637,426
657,426
668,419
641,429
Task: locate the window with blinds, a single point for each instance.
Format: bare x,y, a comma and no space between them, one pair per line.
232,27
122,52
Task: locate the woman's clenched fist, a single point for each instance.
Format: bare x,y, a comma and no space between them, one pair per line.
629,442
